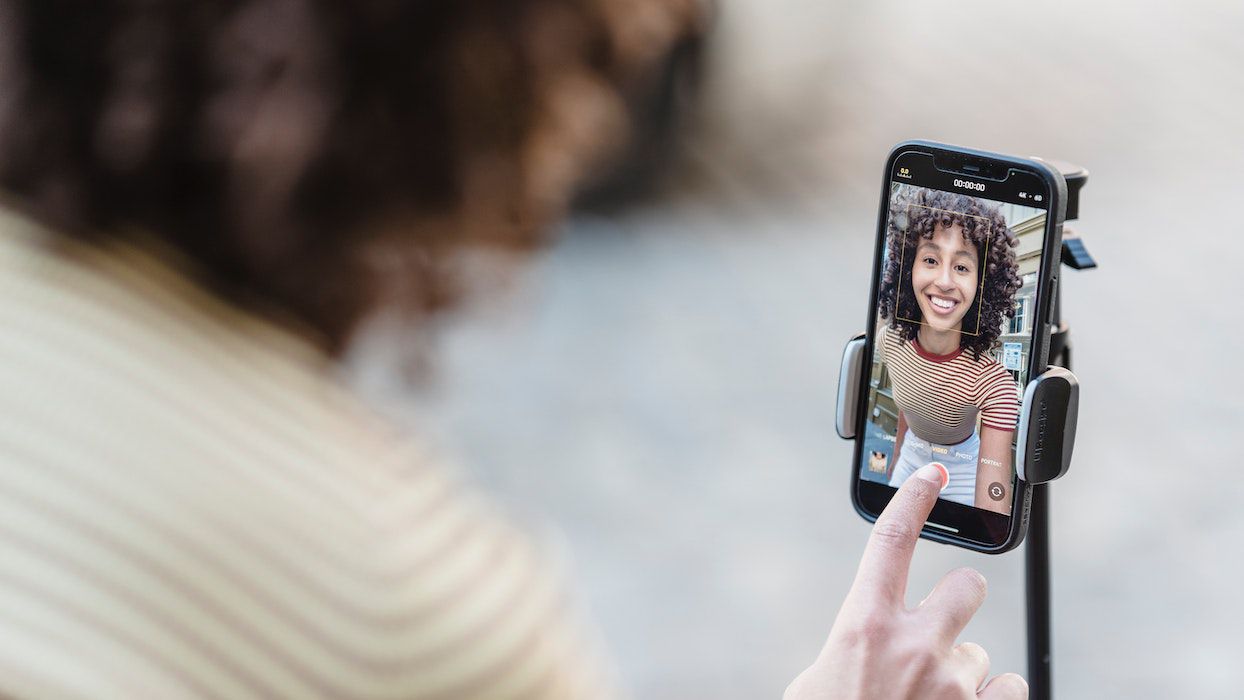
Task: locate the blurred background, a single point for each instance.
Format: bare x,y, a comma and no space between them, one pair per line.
657,387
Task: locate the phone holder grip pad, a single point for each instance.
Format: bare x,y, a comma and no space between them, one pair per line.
1047,426
849,378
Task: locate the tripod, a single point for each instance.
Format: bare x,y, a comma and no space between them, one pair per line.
1037,547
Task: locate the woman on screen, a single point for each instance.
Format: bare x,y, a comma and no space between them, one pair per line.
949,283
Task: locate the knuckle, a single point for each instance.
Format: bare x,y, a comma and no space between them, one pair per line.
953,686
893,533
973,580
1013,686
975,652
927,660
796,688
871,631
920,656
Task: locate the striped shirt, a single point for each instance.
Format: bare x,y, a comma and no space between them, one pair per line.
191,506
941,395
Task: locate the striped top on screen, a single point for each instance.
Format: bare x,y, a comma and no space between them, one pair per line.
941,395
191,506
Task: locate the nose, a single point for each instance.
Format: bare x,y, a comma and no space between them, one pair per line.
944,280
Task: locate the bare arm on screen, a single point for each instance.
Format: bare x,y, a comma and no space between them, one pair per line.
898,444
993,466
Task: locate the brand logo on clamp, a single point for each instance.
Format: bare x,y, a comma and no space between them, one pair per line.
1041,421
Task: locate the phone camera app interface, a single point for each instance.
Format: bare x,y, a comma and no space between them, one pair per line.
955,314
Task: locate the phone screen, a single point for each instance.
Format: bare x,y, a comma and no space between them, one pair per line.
955,325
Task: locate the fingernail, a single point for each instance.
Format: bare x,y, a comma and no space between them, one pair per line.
934,473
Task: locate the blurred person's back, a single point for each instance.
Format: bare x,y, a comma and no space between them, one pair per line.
190,507
202,205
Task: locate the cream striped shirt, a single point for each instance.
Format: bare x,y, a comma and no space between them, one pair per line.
941,395
191,507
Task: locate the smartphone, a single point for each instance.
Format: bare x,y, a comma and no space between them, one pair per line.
964,273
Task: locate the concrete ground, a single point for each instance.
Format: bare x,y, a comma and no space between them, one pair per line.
659,386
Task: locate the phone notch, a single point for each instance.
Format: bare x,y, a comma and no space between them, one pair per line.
971,166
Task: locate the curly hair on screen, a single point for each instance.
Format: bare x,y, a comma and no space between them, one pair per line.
317,159
915,214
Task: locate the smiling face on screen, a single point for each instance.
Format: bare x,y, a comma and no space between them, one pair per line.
944,276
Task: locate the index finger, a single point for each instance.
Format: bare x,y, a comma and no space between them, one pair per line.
887,557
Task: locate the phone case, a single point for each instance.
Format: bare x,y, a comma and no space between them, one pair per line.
1039,355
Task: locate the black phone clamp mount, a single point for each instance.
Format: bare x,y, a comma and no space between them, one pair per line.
1047,430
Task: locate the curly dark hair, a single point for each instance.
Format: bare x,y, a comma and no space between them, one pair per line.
318,159
915,213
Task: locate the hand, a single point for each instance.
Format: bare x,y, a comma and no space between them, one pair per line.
880,650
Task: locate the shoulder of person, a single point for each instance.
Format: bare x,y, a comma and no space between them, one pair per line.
883,338
988,369
993,373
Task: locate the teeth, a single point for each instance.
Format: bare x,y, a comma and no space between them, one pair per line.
942,303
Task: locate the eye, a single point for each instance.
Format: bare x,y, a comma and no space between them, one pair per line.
929,260
962,269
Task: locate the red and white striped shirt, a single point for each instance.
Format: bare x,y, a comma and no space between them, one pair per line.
941,395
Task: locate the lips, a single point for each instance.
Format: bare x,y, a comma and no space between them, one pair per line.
941,305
